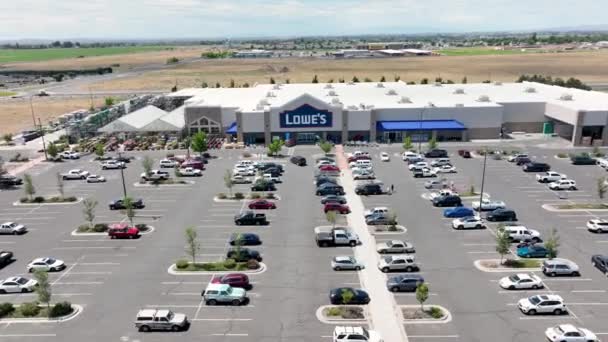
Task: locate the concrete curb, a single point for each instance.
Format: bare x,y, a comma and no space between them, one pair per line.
560,158
503,269
445,319
76,233
550,207
77,311
400,230
19,204
173,271
144,185
327,320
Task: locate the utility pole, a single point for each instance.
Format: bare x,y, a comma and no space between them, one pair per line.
32,108
122,176
483,178
42,136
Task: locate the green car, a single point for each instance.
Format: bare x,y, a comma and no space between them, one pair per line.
225,294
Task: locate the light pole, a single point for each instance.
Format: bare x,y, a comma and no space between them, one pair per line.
420,126
122,176
483,178
32,109
42,136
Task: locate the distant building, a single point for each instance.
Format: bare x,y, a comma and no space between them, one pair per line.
253,54
351,53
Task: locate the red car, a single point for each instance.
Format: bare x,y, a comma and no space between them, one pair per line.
335,206
233,279
359,157
123,231
262,204
329,168
195,164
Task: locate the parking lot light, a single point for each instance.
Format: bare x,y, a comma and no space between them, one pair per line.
122,176
483,178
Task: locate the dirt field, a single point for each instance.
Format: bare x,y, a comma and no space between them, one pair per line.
16,115
584,65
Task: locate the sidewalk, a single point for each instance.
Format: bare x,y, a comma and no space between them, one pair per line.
386,317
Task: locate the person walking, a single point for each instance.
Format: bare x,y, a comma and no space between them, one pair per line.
392,188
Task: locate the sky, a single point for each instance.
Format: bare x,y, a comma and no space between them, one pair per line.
127,19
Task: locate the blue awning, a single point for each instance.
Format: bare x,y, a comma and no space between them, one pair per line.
232,128
425,125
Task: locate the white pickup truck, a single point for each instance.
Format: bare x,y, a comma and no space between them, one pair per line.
155,175
550,176
488,205
75,174
376,210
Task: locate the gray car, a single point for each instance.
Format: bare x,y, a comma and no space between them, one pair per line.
340,263
404,283
555,267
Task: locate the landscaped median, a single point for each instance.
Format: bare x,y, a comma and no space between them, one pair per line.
414,314
508,265
183,267
576,207
163,182
35,313
40,200
239,196
102,229
387,229
342,314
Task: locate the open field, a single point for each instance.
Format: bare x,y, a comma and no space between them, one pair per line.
37,55
16,115
6,93
482,51
583,65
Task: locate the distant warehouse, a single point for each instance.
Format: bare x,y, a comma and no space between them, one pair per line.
388,111
253,54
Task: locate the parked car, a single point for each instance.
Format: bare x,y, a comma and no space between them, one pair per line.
45,264
441,162
520,233
262,204
436,153
563,184
522,161
193,163
334,206
542,304
550,176
17,285
337,236
470,222
402,263
329,168
487,205
189,172
112,165
123,231
168,163
75,174
597,226
458,212
6,258
536,167
532,251
329,189
95,179
582,160
447,201
359,296
464,153
12,228
355,334
364,175
250,218
521,281
515,157
263,185
407,155
435,184
445,169
378,220
69,155
243,254
570,333
224,294
154,175
240,280
501,214
424,173
558,266
404,282
418,166
600,262
238,179
298,160
120,204
369,189
152,319
325,179
244,239
395,246
334,199
385,157
340,263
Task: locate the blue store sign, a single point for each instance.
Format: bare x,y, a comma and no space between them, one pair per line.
305,116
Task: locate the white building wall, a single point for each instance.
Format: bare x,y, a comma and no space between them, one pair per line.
228,116
595,118
359,120
523,112
471,117
253,122
561,113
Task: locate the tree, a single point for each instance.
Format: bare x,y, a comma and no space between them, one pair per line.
602,187
218,85
8,138
503,242
204,85
397,78
432,143
275,147
326,146
147,163
424,81
552,244
347,295
43,290
199,142
272,81
28,186
464,80
109,101
331,218
52,150
407,143
315,79
129,210
60,185
2,169
228,182
422,294
172,60
238,243
355,79
382,79
232,84
99,150
89,210
193,246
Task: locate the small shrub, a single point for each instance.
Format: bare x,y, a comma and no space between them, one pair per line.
253,264
170,155
181,264
230,263
270,195
239,195
255,195
100,228
23,200
70,199
38,199
562,155
61,309
222,196
392,228
142,227
333,312
83,228
6,309
349,312
246,155
29,309
435,312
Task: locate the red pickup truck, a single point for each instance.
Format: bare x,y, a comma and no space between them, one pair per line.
123,231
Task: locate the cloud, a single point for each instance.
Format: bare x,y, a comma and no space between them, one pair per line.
234,18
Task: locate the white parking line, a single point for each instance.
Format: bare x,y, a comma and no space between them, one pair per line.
80,283
98,263
83,273
546,317
479,244
482,252
7,242
231,335
60,294
430,336
588,291
96,247
222,319
28,335
567,279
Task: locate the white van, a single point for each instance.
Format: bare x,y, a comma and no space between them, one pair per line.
359,163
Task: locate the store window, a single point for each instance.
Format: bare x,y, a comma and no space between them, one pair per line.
205,125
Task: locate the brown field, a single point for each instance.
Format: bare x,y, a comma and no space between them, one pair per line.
587,66
16,115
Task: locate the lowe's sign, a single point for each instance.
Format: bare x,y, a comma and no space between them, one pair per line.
305,116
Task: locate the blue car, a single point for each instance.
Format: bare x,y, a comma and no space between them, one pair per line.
458,212
532,251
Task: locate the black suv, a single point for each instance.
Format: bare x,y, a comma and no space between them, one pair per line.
298,160
322,180
436,153
447,201
582,160
600,262
330,189
369,189
264,186
243,254
7,181
501,215
120,204
536,167
266,166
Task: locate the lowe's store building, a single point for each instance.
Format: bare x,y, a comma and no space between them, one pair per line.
341,112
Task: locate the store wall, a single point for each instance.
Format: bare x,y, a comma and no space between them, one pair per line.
561,113
253,122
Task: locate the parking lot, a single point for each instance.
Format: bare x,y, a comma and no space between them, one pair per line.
113,279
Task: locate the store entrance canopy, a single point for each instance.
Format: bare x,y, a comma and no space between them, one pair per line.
231,129
425,125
